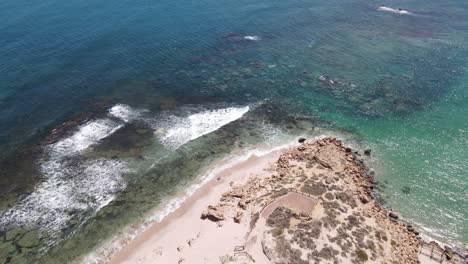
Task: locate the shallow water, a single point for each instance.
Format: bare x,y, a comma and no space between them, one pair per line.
109,109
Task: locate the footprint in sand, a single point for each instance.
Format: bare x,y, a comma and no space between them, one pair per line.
157,252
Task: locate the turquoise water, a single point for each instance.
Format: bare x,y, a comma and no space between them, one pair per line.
109,109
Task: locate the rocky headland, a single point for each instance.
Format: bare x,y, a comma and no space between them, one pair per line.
312,203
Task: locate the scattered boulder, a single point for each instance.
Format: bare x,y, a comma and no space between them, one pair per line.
393,215
367,152
364,199
190,241
236,193
448,252
242,204
238,216
301,140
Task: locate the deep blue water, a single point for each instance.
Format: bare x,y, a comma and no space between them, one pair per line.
397,82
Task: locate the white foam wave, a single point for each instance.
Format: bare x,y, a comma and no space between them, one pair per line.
125,112
253,38
73,187
180,130
69,188
86,135
92,131
392,10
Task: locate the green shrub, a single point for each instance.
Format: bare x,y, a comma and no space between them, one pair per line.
361,255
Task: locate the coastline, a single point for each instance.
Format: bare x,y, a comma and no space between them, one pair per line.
178,205
189,210
182,236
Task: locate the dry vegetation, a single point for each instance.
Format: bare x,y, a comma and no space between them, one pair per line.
345,226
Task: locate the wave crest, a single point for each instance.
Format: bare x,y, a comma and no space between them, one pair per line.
180,130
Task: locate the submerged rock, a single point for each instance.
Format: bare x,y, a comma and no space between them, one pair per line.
30,239
406,190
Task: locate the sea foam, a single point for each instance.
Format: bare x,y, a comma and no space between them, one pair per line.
125,112
86,135
392,10
78,188
92,131
253,38
73,186
176,131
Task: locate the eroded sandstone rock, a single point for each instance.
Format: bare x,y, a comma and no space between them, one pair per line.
213,213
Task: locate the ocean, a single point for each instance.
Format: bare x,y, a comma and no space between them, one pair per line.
111,112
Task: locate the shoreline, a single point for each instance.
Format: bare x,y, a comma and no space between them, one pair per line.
169,234
208,192
177,205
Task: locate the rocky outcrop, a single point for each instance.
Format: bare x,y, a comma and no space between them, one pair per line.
213,213
346,224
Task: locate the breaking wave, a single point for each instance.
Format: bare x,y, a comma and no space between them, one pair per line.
176,131
70,191
392,10
253,38
93,131
74,187
125,112
86,135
